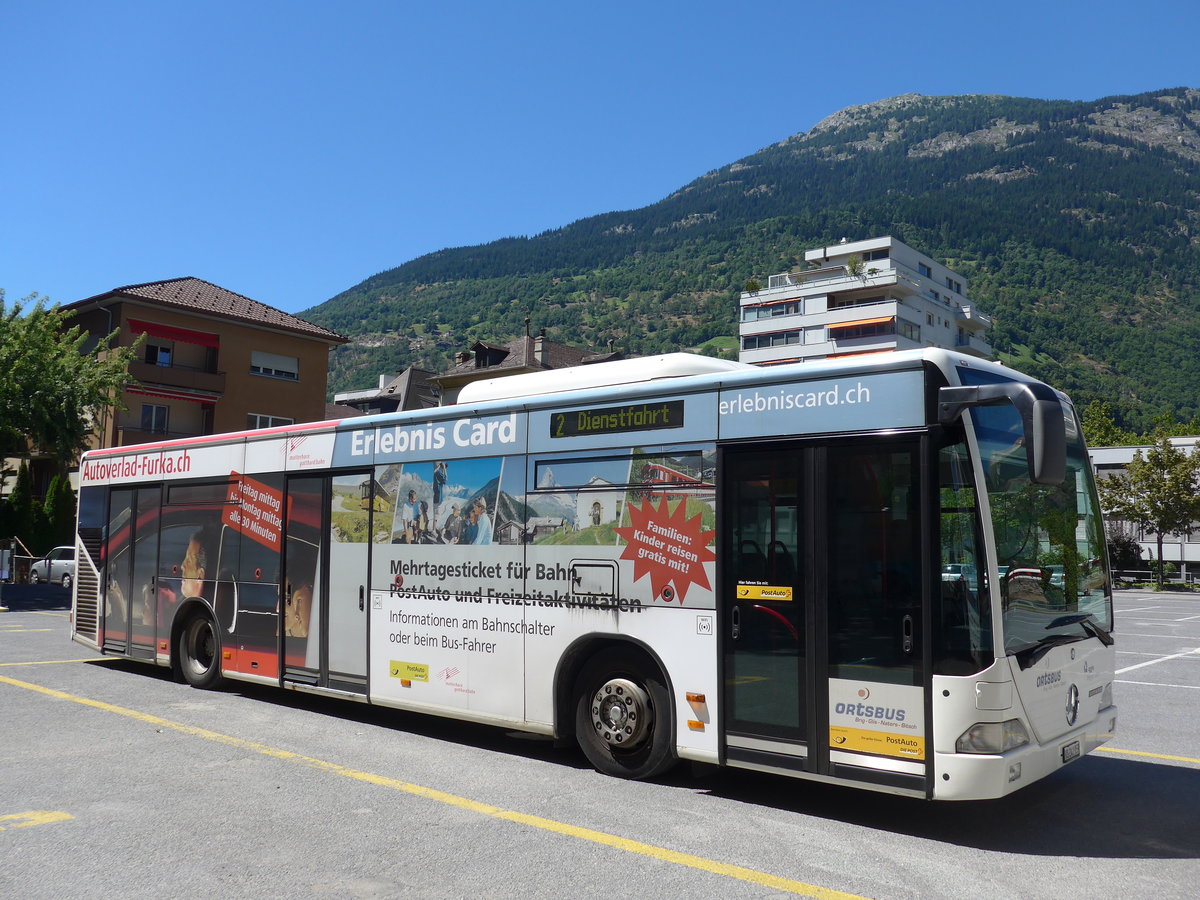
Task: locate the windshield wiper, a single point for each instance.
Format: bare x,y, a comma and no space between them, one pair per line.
1088,623
1030,654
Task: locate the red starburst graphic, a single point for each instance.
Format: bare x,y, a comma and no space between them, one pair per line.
668,547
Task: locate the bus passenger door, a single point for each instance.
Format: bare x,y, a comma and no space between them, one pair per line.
821,580
326,558
877,563
765,570
349,531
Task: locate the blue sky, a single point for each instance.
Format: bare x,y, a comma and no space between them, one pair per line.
288,150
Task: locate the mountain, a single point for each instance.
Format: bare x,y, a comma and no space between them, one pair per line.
1077,223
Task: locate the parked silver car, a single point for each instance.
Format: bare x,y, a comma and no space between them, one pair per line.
57,566
961,572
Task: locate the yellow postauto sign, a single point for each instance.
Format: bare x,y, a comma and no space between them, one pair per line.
777,593
408,670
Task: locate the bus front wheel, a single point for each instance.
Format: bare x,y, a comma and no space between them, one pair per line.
623,715
200,652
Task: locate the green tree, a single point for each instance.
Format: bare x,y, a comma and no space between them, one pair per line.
54,383
19,507
1100,428
1159,491
59,512
1124,552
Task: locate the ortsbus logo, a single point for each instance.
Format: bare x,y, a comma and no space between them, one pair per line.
149,465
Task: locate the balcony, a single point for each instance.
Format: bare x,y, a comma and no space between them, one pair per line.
128,435
184,378
972,318
966,343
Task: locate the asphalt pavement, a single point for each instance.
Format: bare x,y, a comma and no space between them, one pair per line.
116,780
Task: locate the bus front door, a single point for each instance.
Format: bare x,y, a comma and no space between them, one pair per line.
821,587
327,555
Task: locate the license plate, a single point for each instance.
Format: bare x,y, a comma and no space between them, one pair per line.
1070,751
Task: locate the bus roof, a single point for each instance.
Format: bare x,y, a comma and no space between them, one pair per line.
635,377
610,374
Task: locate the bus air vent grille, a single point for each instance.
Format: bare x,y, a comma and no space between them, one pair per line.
87,602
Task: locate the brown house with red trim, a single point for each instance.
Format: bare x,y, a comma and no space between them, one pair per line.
212,361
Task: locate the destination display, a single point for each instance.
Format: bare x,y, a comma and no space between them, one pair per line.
617,419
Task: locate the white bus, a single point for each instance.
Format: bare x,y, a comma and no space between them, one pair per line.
886,572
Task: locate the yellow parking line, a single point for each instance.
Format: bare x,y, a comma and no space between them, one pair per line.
48,662
586,834
1186,759
34,818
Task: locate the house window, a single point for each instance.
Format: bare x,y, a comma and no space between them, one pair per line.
850,332
874,255
908,330
770,311
843,303
929,318
274,366
154,419
955,286
259,420
924,270
158,354
777,339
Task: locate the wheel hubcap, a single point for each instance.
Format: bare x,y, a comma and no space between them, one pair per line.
201,647
621,713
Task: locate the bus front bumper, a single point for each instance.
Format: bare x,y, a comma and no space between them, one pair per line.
972,776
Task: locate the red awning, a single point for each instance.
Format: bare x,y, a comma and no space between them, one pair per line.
172,333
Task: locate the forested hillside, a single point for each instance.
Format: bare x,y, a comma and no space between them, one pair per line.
1077,223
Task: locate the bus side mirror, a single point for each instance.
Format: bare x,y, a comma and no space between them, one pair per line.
1042,420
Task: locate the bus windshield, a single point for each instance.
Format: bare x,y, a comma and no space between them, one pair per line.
1052,566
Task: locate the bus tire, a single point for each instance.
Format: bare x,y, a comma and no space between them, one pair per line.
623,715
200,652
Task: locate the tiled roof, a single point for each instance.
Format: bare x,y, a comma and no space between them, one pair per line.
411,388
198,296
521,356
334,411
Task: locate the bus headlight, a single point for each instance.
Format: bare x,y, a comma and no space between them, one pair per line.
1106,696
992,737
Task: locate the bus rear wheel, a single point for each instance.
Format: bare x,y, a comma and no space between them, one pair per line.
200,652
623,715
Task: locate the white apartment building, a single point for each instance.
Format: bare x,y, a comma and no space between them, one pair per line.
871,296
1181,549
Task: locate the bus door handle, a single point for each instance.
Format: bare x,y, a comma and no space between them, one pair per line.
362,598
906,628
737,623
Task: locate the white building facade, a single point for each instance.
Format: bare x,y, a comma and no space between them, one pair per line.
859,297
1181,549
